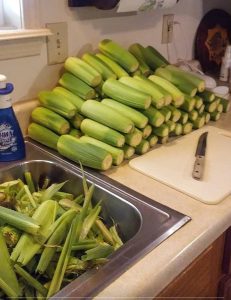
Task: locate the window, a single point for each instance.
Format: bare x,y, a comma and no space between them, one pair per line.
11,14
20,26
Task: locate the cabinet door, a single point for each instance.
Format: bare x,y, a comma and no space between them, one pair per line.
200,279
226,265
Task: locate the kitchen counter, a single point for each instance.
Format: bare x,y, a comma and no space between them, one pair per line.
157,269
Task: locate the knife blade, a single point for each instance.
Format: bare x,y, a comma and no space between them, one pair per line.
199,163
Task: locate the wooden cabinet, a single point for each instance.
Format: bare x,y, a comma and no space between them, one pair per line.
224,289
201,278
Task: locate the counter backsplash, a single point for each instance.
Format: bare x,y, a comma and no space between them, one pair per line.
23,111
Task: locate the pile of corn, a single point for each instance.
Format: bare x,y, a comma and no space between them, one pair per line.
119,102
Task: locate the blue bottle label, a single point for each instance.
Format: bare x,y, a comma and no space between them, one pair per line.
8,140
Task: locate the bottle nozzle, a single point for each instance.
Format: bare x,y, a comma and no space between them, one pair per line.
3,80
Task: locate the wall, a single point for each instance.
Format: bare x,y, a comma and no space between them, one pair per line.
87,26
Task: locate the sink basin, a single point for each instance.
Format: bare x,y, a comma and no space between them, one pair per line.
142,222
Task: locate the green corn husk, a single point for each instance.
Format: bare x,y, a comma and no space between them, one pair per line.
116,238
8,280
29,181
51,191
19,220
101,251
89,221
27,246
30,280
105,232
11,235
60,269
56,238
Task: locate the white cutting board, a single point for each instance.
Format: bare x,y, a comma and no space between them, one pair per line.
173,162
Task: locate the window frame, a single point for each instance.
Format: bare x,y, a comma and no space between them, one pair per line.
32,34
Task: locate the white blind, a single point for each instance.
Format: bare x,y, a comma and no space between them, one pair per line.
1,14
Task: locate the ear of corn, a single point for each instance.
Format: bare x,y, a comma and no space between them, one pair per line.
171,126
77,86
145,85
50,119
207,96
137,50
195,80
116,68
161,131
176,113
189,103
126,94
154,116
116,153
88,154
143,147
153,58
43,135
175,78
121,55
147,130
74,99
99,65
152,139
177,95
129,151
178,129
102,133
83,71
133,139
108,116
139,119
57,103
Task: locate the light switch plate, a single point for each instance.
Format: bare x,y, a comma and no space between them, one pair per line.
57,43
167,28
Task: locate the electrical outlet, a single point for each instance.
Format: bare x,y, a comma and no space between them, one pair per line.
57,48
167,28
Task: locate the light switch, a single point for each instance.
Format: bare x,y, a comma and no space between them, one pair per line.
57,44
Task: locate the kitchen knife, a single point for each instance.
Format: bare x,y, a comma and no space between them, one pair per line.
200,156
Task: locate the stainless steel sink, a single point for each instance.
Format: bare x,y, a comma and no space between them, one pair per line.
143,223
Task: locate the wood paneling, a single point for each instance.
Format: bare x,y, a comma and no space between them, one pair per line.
200,279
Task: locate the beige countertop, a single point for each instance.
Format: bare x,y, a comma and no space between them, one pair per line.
154,271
